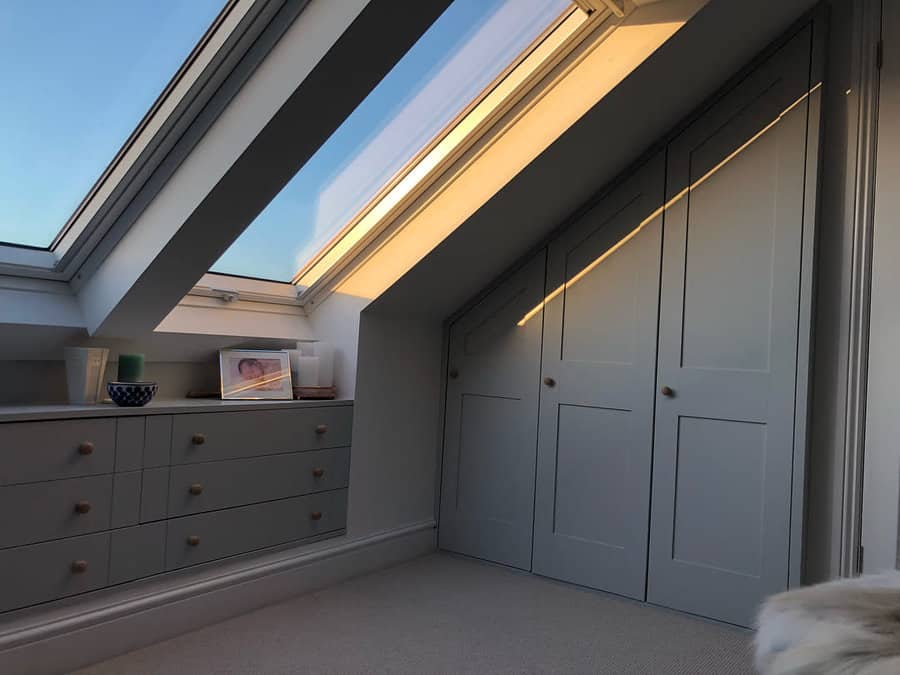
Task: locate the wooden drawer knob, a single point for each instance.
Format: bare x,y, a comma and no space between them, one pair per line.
316,515
79,566
318,472
198,439
193,540
196,489
85,448
82,507
321,429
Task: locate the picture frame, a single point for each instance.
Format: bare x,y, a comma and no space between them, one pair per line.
255,374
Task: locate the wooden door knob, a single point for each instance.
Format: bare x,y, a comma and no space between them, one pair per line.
79,566
196,489
85,448
454,373
198,439
549,381
321,429
82,507
667,391
318,472
193,540
316,515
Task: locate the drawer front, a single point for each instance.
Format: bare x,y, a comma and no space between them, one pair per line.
36,451
209,536
203,437
207,486
62,508
137,552
42,572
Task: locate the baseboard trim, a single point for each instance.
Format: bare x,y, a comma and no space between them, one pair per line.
61,640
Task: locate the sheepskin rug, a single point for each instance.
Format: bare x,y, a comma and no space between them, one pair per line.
847,627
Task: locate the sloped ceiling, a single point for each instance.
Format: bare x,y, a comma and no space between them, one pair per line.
721,39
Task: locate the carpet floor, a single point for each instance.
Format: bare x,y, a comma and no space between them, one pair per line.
446,614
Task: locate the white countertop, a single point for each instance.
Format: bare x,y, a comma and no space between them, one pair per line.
27,413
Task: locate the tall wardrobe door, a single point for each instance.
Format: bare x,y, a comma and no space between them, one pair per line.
596,420
487,496
731,304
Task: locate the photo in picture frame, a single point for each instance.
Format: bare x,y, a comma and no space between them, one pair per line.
255,374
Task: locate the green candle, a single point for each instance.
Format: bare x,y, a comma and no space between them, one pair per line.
131,368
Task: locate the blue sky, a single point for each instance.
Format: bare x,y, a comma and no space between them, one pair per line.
77,77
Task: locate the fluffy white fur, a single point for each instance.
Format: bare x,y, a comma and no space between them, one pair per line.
848,627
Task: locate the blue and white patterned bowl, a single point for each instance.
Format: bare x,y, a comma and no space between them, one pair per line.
131,394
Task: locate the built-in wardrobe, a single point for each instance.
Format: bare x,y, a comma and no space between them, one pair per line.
627,409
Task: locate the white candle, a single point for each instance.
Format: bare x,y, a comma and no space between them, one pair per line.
325,352
307,371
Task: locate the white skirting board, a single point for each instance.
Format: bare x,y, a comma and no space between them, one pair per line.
82,633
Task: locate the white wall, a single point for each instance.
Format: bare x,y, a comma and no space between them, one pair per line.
32,369
396,424
337,321
35,382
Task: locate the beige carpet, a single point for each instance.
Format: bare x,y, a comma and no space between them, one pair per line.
444,614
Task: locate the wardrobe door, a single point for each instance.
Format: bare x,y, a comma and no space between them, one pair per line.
596,420
738,228
490,433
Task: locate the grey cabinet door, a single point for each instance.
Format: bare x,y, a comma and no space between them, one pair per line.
237,482
204,437
487,496
192,540
596,415
731,313
37,451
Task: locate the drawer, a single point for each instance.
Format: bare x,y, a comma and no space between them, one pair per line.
203,437
61,508
36,451
207,486
42,572
137,552
196,539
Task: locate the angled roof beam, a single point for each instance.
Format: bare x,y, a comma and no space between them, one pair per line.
326,63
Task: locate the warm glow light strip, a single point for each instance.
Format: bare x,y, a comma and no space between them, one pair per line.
646,221
433,160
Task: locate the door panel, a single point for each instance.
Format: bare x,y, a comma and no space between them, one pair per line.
730,253
489,423
728,346
594,448
487,495
591,474
699,530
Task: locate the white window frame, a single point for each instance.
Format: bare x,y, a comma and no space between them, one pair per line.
128,179
230,288
430,165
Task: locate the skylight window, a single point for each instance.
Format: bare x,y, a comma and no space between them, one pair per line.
77,79
390,141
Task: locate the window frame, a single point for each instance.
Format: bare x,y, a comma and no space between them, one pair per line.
314,293
238,40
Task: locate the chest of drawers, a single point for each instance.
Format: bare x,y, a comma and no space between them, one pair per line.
95,501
